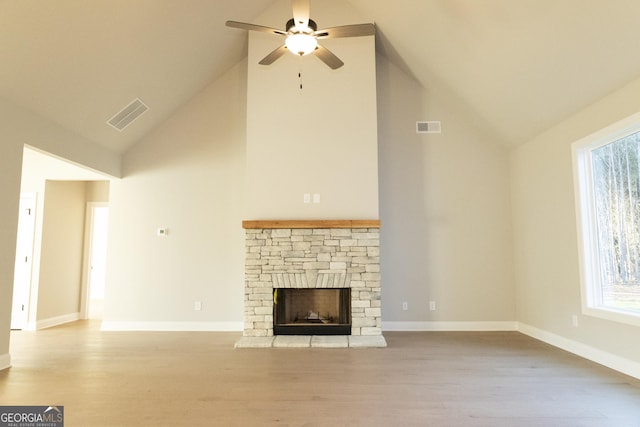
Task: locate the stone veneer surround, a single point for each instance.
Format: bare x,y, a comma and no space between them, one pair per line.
312,254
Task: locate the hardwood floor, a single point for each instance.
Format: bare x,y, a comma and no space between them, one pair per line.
420,379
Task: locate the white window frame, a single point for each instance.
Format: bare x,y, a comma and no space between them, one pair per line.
586,224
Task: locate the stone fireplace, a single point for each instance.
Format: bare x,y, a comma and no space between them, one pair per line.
286,261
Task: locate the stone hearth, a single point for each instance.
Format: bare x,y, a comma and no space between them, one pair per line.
312,254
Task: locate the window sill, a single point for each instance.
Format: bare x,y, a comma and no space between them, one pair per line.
620,316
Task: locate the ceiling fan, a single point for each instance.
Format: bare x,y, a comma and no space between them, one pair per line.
302,35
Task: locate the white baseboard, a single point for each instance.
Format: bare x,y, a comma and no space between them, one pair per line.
5,361
52,321
620,364
173,326
449,326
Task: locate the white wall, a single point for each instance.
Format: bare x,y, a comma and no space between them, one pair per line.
60,276
444,203
187,176
546,251
445,210
98,191
321,139
10,165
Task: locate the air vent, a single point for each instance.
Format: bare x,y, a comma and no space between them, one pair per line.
128,114
428,127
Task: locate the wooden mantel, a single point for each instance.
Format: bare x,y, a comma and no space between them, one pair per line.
311,223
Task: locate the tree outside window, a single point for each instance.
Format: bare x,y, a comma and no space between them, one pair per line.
616,185
607,177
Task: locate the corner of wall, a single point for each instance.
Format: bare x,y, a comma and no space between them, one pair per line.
5,361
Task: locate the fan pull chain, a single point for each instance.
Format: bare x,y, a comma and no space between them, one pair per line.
300,74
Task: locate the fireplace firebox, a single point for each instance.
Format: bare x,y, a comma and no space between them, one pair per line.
312,311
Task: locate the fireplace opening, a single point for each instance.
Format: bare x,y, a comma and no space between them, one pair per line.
312,311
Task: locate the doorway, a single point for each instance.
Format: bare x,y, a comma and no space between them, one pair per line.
96,256
24,254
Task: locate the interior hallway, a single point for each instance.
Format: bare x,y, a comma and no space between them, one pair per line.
199,379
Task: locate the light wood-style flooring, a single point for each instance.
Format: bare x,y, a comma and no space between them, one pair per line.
420,379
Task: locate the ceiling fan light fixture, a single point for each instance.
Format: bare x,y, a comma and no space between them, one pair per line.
301,36
301,44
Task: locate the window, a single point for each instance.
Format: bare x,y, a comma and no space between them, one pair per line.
607,178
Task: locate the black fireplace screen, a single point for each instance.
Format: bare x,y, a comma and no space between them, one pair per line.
312,311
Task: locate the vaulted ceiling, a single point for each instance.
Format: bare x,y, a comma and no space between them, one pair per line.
519,66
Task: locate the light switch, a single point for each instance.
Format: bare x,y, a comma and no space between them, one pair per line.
163,231
316,197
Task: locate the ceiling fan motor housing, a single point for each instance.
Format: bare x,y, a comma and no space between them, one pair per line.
291,23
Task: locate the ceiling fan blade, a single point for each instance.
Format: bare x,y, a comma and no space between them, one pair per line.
328,57
271,58
300,13
253,27
356,30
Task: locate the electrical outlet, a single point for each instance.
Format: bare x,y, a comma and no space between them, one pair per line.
405,306
306,198
316,198
432,306
197,305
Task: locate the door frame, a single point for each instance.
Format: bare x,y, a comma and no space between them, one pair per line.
22,286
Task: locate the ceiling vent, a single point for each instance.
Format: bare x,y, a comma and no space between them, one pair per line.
428,127
128,114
